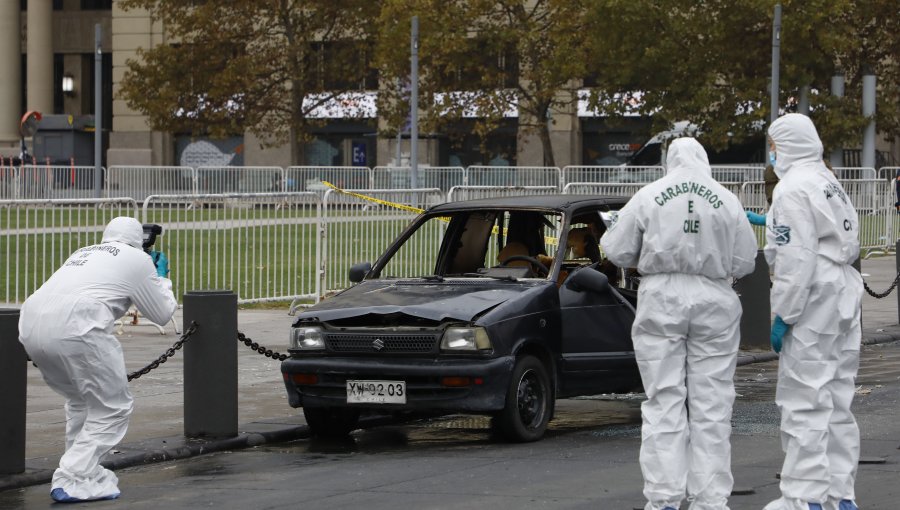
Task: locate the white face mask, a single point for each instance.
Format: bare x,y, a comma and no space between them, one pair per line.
772,158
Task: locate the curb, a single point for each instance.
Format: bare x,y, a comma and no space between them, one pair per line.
151,451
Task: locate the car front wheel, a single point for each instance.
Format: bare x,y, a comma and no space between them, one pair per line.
331,422
528,402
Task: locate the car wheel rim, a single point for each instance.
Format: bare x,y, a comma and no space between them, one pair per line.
530,399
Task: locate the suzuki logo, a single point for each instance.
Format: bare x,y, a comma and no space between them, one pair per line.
378,344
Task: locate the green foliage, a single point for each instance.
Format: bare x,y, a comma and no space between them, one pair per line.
263,65
256,65
493,55
710,61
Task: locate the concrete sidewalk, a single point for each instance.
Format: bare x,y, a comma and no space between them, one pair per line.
156,428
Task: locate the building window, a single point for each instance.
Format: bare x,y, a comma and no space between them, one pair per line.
96,5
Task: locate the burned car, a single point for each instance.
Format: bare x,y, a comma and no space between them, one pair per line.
492,306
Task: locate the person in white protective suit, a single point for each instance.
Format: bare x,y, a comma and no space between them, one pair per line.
66,328
688,236
812,239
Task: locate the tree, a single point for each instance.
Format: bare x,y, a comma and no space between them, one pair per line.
263,66
484,58
709,62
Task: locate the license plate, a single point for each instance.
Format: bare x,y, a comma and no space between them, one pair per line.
376,392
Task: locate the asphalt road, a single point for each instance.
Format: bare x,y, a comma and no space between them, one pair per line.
587,460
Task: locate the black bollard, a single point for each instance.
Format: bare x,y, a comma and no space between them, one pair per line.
756,318
210,364
13,374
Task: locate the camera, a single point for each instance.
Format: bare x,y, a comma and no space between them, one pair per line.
151,230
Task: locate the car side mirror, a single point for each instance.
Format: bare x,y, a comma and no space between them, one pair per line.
587,278
359,271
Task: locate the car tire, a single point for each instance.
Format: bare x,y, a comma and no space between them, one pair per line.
331,422
529,402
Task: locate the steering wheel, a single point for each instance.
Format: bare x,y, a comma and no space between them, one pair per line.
536,264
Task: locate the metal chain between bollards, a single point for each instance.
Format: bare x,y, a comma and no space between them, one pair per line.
260,349
166,355
879,295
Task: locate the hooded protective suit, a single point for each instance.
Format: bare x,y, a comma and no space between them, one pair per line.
66,328
687,235
812,240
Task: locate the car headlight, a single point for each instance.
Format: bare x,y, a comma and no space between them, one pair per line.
307,338
465,339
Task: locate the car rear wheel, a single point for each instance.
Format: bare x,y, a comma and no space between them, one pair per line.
528,402
331,422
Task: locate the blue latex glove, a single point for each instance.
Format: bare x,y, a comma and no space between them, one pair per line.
779,328
756,219
161,262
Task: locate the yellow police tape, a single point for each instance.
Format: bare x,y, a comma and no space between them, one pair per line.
549,240
376,200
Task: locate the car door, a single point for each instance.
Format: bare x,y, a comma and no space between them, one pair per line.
597,352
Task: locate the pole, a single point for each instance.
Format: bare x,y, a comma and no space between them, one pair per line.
210,364
837,90
803,104
776,62
868,111
98,110
13,377
414,105
753,290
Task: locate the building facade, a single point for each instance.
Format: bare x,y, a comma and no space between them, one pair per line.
49,49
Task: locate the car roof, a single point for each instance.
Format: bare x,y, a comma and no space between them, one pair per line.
559,202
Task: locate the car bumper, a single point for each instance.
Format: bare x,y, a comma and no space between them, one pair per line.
424,390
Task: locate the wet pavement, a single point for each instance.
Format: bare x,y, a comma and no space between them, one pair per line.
588,458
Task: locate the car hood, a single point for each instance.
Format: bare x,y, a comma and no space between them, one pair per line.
461,300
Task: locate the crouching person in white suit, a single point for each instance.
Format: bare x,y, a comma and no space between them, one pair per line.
66,328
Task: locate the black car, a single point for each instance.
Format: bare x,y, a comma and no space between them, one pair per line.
494,306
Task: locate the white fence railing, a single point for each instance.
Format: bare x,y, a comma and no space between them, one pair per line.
737,173
600,188
513,176
139,182
239,179
35,182
311,178
440,177
300,246
359,230
37,236
458,193
263,246
611,174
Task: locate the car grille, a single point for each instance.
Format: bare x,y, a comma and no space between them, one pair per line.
388,343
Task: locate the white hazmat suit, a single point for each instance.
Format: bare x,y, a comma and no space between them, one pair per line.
812,240
66,328
687,235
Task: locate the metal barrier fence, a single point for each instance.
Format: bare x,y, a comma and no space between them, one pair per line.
139,182
357,230
34,182
262,246
513,176
854,173
458,193
239,179
277,246
737,173
309,178
440,177
599,188
888,172
37,236
611,174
